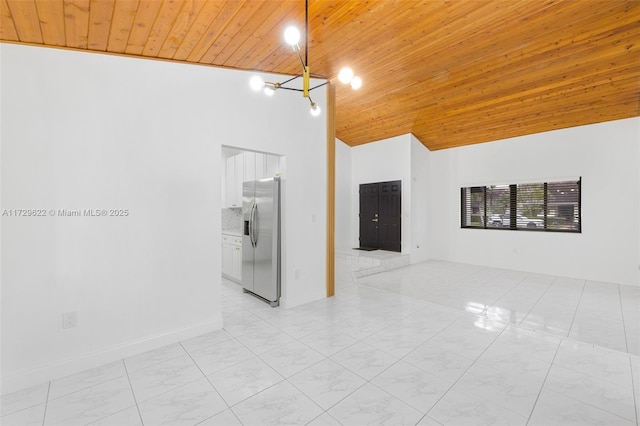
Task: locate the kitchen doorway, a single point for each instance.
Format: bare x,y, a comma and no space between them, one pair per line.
380,215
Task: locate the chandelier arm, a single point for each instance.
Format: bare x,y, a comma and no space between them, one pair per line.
290,88
291,79
319,85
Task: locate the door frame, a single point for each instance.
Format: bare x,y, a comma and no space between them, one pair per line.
331,189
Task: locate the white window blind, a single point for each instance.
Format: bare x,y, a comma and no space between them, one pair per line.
543,206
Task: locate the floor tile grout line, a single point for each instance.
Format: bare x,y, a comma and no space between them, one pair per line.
538,299
575,313
155,364
132,392
575,341
400,399
608,381
511,289
180,386
212,386
544,381
503,294
334,404
87,387
595,407
578,400
259,356
46,404
624,326
465,372
208,346
326,412
370,381
633,391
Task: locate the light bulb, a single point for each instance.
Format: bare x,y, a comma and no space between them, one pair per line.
256,82
269,91
346,75
315,109
356,83
292,36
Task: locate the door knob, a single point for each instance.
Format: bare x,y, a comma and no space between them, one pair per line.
374,220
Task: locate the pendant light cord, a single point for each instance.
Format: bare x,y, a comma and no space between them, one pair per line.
306,33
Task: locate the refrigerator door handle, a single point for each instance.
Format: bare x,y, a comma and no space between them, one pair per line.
252,225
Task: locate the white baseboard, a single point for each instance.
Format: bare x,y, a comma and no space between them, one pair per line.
51,371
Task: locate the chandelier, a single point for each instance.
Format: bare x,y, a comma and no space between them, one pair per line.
292,38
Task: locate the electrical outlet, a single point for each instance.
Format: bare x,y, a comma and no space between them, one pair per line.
69,319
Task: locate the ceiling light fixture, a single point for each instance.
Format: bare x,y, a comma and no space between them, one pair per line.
292,38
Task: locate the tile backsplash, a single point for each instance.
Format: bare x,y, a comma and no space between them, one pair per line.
232,220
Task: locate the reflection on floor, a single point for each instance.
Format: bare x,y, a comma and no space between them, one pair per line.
352,264
603,314
428,344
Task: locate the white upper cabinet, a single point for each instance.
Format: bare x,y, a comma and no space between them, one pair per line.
230,182
239,178
223,183
244,167
234,178
272,166
261,163
267,165
249,166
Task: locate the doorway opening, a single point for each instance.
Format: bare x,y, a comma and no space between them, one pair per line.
380,215
238,167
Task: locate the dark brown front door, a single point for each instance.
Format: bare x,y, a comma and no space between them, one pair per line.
369,216
380,212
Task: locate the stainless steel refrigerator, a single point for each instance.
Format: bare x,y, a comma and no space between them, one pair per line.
261,239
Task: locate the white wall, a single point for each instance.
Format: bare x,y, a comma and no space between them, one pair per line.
398,158
605,155
87,131
382,161
343,238
420,200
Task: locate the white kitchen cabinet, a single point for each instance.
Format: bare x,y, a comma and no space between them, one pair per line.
231,198
260,165
232,257
234,178
249,166
227,253
267,165
239,178
245,167
223,181
272,166
236,263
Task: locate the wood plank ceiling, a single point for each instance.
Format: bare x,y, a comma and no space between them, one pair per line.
452,73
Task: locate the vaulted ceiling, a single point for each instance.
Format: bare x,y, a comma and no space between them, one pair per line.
451,72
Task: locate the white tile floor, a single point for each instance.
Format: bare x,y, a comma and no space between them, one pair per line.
430,344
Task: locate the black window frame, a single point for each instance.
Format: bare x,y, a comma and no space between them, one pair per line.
475,212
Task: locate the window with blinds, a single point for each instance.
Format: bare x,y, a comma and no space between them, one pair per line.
546,206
